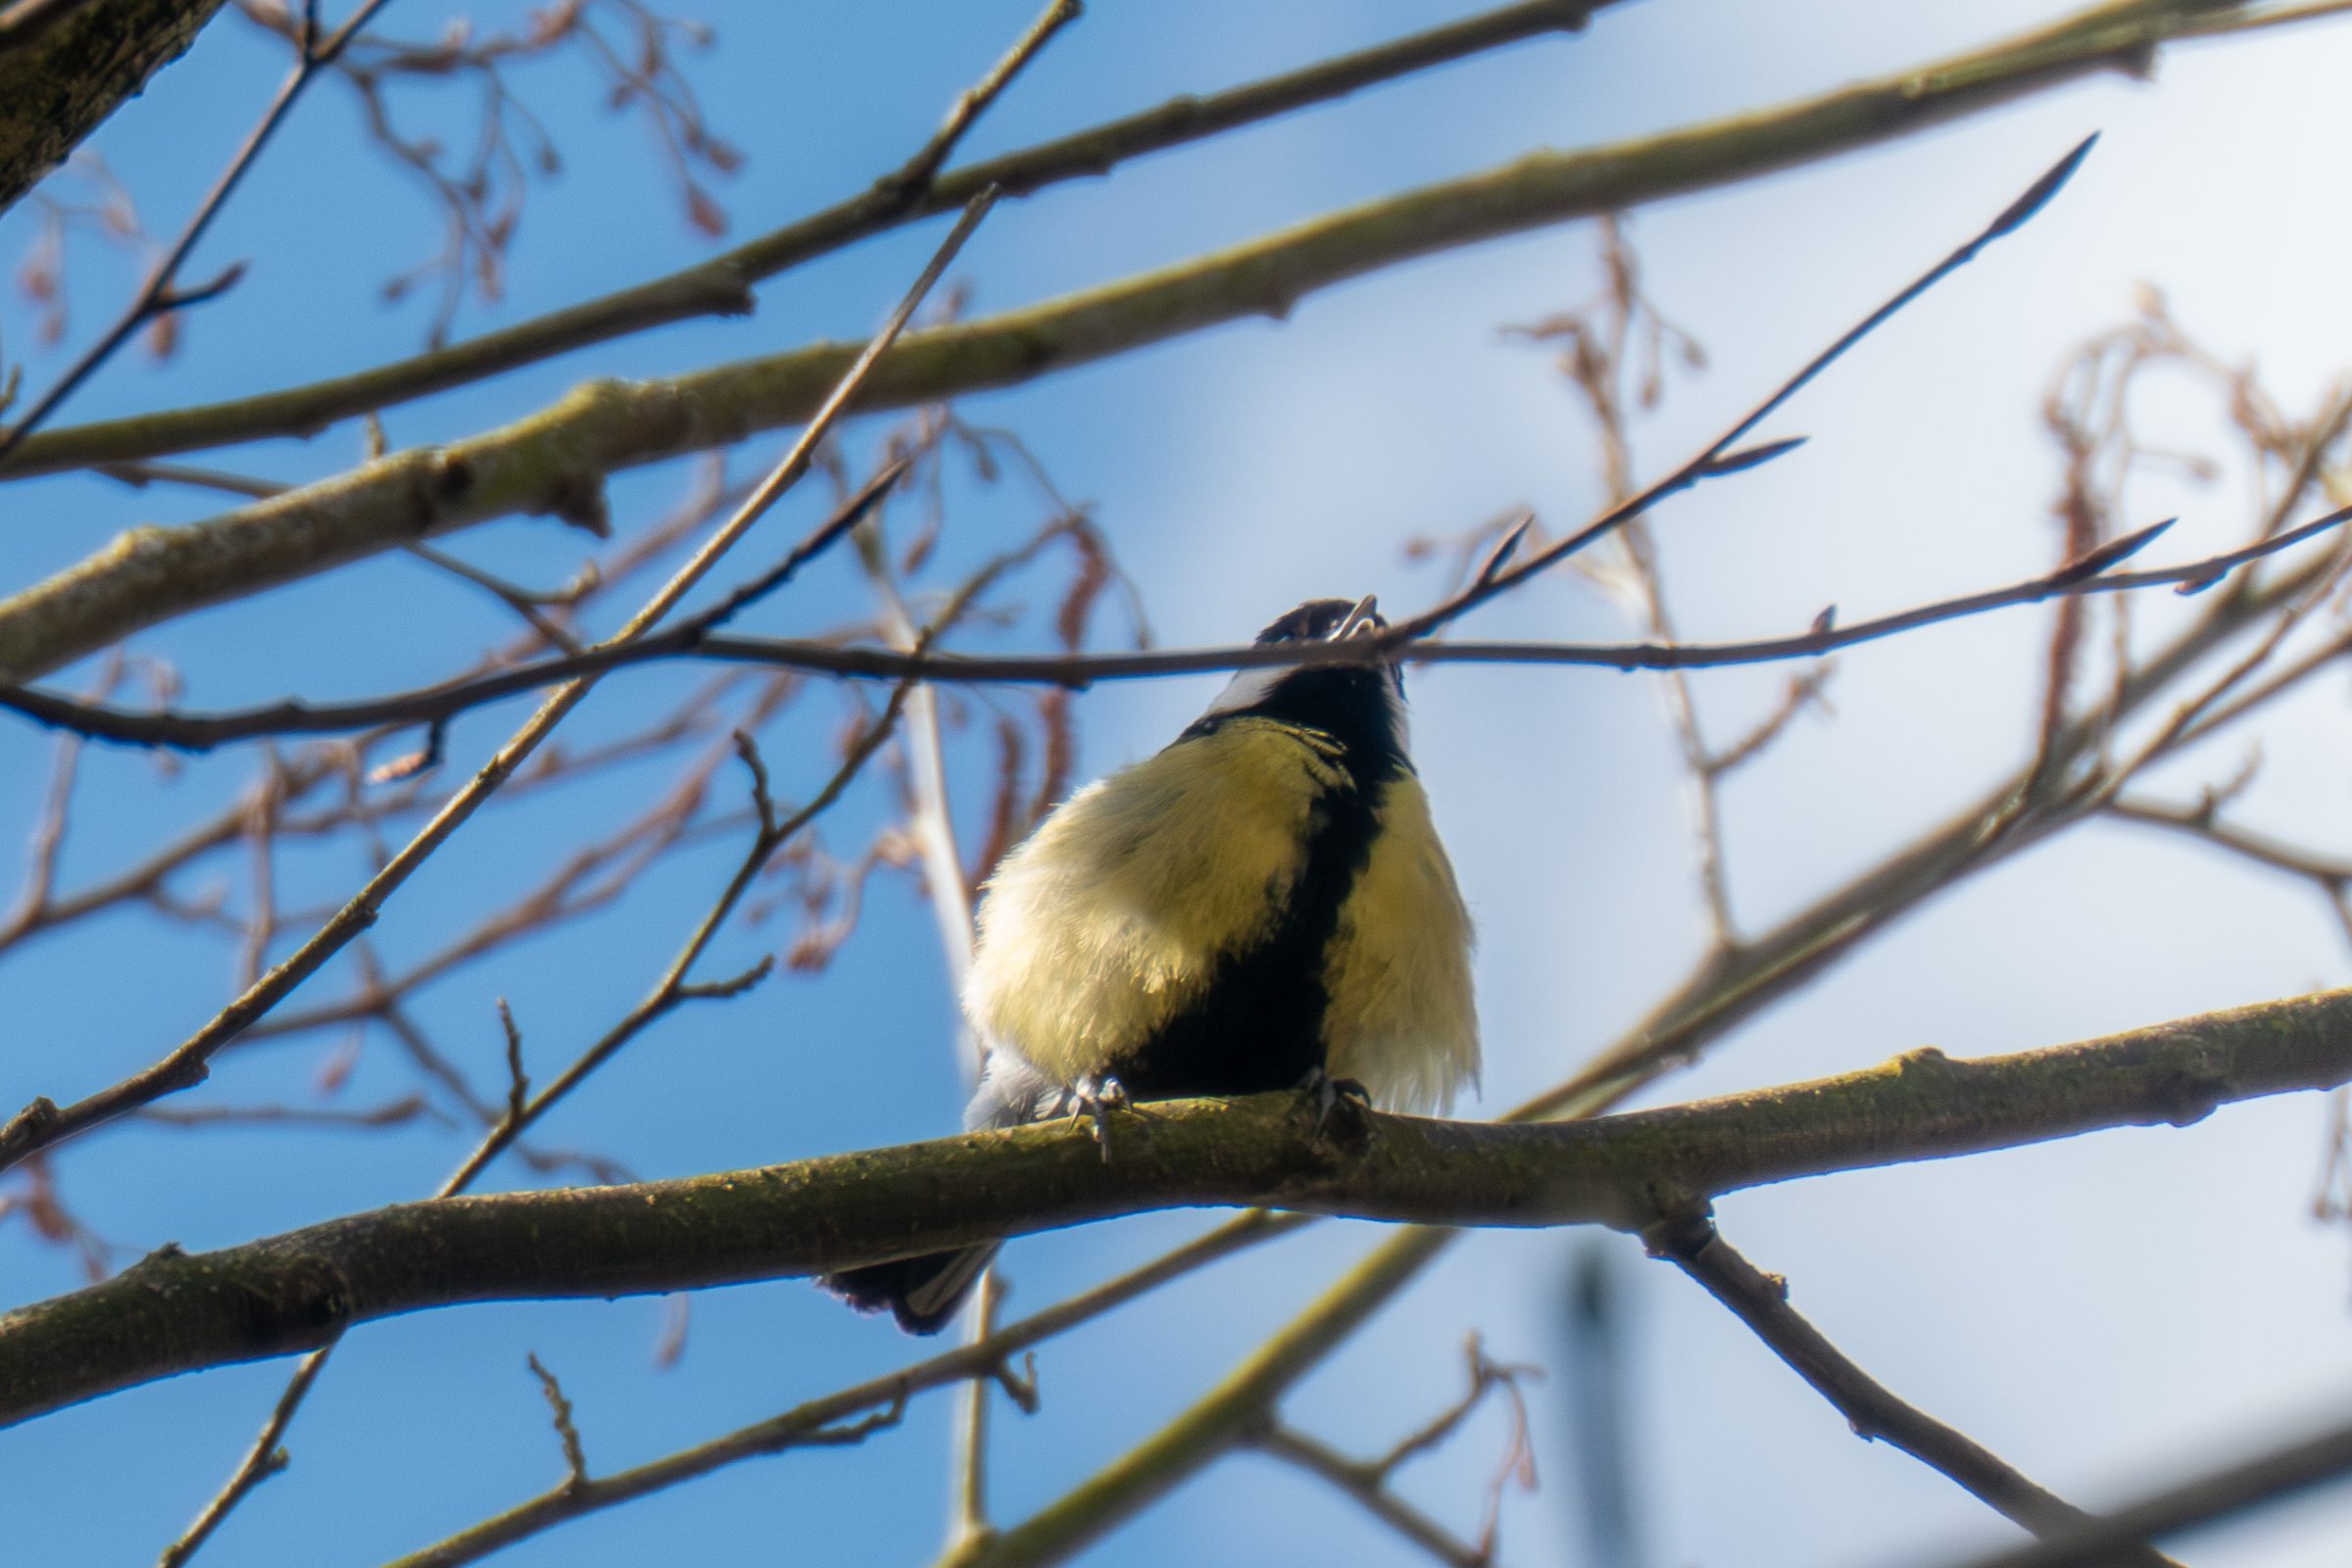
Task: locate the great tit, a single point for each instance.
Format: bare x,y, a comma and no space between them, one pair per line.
1263,905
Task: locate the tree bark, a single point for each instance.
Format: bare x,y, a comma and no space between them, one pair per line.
176,1311
65,64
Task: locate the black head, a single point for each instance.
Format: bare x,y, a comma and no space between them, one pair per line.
1319,619
1362,706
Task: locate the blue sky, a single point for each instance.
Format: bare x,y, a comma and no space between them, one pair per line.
2104,1313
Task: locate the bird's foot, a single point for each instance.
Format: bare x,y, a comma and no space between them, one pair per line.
1095,1098
1327,1092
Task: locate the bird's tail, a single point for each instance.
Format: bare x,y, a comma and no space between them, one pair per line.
923,1293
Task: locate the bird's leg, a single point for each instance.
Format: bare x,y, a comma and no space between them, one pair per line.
1327,1092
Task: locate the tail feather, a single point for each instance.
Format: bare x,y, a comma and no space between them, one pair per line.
921,1293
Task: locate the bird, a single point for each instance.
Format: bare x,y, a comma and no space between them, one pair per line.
1263,904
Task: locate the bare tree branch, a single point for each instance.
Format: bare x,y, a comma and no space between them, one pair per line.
163,293
1362,1484
697,638
42,1124
554,460
176,1311
720,285
1723,455
671,991
917,176
1688,1239
2216,1493
1366,1481
65,64
2075,778
988,1359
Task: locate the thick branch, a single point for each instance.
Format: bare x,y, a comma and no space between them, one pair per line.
176,1312
554,460
65,67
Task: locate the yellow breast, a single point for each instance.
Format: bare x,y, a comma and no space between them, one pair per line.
1402,1018
1113,913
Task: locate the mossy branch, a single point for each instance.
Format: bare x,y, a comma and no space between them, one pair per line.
553,462
177,1312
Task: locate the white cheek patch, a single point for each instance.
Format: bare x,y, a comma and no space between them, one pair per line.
1246,689
1251,687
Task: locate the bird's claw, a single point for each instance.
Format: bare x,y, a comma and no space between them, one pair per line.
1095,1098
1327,1092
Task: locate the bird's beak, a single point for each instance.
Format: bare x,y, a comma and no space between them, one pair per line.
1357,619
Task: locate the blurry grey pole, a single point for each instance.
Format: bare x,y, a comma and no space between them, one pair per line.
1598,1380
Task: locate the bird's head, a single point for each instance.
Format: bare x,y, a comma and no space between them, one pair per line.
1360,704
1325,621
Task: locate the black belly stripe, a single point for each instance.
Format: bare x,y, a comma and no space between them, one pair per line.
1258,1025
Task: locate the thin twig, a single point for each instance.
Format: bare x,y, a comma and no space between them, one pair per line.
1718,455
392,1114
576,1454
967,1468
48,840
913,180
720,285
2221,1492
1690,1241
1366,1481
793,1428
2331,876
1357,1481
43,1124
264,1459
519,1086
260,836
523,602
162,293
693,639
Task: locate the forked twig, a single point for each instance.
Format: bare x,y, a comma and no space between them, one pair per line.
1719,457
